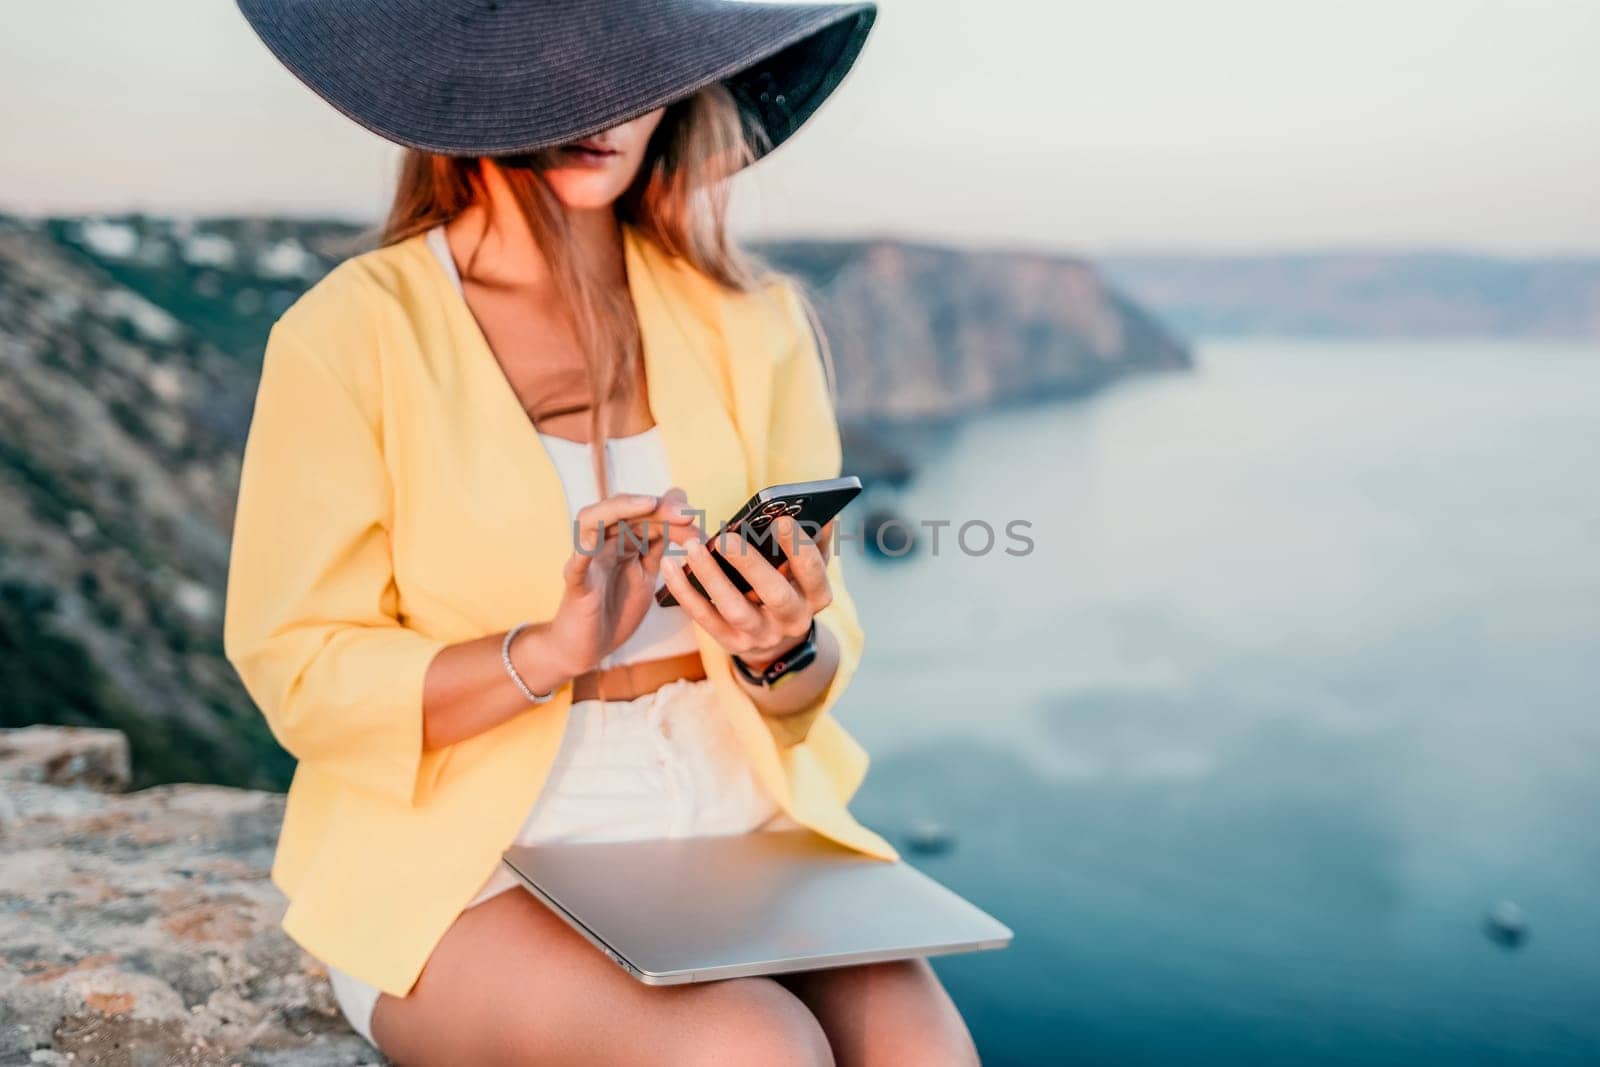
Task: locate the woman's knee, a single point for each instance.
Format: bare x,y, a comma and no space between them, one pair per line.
887,1013
753,1020
926,1023
947,1045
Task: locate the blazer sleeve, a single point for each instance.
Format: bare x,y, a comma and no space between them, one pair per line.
803,445
310,619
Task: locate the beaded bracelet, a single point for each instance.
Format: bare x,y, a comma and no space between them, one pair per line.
511,669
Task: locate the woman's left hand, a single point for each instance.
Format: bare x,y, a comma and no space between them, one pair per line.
776,615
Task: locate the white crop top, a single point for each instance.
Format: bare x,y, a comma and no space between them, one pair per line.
634,464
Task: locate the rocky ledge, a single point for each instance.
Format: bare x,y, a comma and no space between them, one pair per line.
141,928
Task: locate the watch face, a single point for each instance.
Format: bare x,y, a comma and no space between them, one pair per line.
794,660
797,658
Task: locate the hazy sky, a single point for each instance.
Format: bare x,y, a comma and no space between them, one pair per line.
1123,123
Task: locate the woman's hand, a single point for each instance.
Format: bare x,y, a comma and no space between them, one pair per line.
609,580
609,585
776,615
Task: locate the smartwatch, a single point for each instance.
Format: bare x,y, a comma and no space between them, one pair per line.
796,659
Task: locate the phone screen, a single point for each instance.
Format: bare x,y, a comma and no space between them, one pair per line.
811,504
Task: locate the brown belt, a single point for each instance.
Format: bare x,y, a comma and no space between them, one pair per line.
629,681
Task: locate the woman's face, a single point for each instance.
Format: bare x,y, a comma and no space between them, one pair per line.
593,172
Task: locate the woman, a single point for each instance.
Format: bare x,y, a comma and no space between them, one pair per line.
429,595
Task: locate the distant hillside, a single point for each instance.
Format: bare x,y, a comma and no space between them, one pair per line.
1367,294
122,414
129,354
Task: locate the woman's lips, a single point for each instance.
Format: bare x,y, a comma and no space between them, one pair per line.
588,152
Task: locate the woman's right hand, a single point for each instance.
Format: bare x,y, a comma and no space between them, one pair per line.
609,581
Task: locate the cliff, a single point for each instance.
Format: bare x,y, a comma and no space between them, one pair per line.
922,333
922,336
141,928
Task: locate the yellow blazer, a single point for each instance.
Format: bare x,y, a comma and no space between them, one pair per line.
395,499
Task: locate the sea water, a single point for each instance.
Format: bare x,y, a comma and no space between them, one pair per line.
1301,677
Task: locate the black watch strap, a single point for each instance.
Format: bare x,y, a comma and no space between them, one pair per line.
795,659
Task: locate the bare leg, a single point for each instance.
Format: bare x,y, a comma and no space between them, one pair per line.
886,1014
510,983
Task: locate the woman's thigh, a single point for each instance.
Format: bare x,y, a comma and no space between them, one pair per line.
886,1013
511,983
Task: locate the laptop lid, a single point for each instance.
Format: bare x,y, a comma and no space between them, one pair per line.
702,908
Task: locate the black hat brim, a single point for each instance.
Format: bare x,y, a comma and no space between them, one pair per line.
502,77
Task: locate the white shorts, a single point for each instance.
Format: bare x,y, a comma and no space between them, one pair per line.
665,765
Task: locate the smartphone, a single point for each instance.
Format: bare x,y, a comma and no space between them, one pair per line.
811,504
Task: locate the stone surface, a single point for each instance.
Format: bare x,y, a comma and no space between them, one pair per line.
143,928
66,756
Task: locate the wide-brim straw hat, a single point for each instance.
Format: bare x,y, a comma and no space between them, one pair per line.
504,77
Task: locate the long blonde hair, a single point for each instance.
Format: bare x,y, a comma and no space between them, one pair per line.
679,200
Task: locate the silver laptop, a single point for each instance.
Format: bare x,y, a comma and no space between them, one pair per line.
702,908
